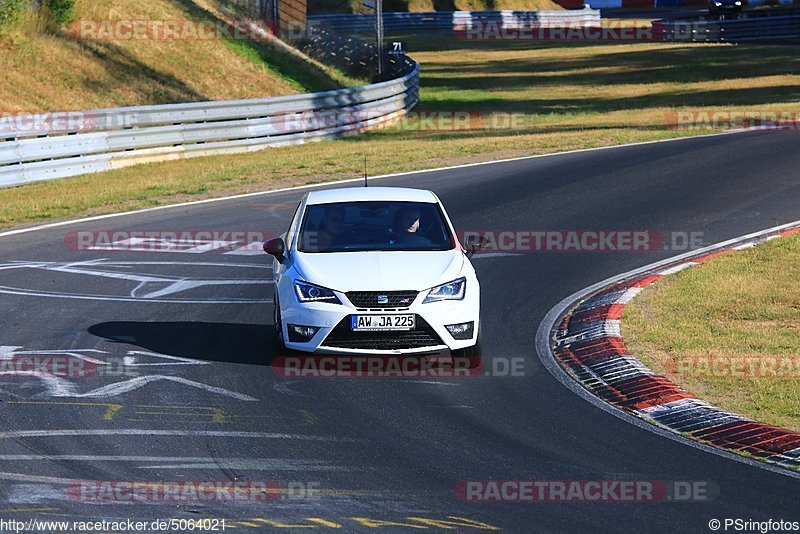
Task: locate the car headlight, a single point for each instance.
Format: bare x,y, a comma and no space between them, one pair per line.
310,293
454,290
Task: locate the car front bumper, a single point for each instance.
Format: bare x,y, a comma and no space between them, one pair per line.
335,337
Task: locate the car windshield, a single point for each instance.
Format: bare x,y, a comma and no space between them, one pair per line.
374,225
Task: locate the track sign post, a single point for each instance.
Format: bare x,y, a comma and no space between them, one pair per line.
379,36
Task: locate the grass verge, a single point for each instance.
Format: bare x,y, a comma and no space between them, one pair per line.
728,331
519,98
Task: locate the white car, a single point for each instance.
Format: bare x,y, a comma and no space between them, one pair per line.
374,270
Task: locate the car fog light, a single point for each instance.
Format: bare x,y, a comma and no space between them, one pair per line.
461,330
301,334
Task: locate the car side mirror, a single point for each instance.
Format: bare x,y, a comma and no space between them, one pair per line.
276,247
474,243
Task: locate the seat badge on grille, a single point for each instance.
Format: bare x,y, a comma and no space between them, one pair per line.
383,299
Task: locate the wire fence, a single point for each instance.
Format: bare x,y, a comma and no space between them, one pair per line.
448,22
354,54
750,29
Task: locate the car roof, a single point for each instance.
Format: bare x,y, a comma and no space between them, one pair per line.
361,194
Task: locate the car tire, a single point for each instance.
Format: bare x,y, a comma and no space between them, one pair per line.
276,316
279,341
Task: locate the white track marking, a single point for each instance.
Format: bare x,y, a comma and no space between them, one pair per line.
677,268
180,246
174,284
252,464
130,360
48,294
177,284
55,433
60,387
253,249
283,387
186,462
126,386
433,382
54,386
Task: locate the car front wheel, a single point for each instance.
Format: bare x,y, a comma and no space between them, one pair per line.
470,355
276,316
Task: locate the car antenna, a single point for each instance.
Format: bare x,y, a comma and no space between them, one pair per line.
365,172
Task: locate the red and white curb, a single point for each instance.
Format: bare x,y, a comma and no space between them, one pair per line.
583,337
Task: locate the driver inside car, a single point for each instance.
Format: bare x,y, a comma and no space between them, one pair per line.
406,229
331,227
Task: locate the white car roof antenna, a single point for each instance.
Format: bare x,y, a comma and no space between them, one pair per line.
365,172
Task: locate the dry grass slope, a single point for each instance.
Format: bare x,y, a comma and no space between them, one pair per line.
47,67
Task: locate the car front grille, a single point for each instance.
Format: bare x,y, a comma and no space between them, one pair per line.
342,337
394,299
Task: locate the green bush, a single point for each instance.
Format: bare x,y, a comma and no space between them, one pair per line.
61,10
10,10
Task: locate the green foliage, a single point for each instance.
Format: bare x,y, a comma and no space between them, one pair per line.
62,10
10,10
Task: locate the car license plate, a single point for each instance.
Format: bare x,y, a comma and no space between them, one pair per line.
372,323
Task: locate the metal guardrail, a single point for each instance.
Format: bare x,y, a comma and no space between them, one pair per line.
108,139
452,21
762,28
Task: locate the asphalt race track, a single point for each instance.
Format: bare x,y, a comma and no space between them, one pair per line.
182,344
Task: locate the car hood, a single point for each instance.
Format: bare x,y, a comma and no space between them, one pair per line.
379,271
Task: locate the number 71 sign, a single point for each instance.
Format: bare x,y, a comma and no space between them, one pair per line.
397,49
